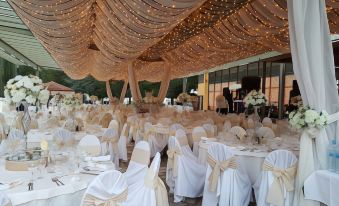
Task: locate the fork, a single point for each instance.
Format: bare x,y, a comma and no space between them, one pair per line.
57,181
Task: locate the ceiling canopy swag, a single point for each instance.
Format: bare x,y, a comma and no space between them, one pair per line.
101,37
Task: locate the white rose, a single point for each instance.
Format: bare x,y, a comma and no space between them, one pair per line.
30,99
19,83
18,78
28,82
35,89
18,96
311,116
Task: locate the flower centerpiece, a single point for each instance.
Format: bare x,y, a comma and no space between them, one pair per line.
71,101
26,88
305,117
184,98
57,99
255,99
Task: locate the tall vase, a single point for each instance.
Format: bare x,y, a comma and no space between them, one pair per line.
256,116
26,119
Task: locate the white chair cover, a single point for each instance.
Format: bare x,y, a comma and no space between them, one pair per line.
210,130
224,183
267,122
115,125
109,188
109,143
265,132
91,145
156,143
239,132
105,120
4,200
123,142
184,174
278,161
14,143
62,138
174,127
227,125
149,191
138,165
197,133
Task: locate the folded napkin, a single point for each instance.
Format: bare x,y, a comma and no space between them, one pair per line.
98,158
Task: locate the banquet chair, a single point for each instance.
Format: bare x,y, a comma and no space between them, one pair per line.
197,133
138,164
276,183
108,188
109,144
265,132
150,190
224,183
174,127
227,126
157,144
4,199
105,120
91,145
122,143
14,143
239,132
184,174
267,122
210,130
115,125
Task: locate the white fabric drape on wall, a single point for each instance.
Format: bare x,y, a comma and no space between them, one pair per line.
133,83
109,91
123,91
313,67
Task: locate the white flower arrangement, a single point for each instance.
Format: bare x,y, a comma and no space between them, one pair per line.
27,88
71,101
255,98
183,97
305,117
57,99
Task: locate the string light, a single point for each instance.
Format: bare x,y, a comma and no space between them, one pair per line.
100,37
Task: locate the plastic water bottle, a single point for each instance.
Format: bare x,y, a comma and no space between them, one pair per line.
332,157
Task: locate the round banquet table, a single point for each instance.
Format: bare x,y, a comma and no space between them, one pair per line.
45,192
249,160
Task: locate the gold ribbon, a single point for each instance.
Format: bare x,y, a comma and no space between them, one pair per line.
154,182
172,162
282,178
91,200
197,136
217,168
148,134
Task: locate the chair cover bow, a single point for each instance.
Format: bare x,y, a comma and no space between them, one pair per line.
172,162
282,178
90,200
217,168
154,182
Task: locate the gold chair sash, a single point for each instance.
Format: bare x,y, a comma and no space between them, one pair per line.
217,168
172,162
90,200
282,177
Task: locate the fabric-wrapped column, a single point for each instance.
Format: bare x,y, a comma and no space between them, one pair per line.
313,67
164,85
123,92
133,83
109,92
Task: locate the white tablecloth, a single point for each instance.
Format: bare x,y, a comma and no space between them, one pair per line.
250,160
323,186
45,191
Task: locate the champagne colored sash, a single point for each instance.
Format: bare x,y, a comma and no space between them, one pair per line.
172,162
217,168
90,200
154,182
282,178
140,156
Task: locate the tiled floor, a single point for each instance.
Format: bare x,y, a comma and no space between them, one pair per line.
162,175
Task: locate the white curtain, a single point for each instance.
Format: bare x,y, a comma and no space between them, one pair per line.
164,84
313,66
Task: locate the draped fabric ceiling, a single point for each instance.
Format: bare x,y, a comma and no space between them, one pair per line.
103,37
